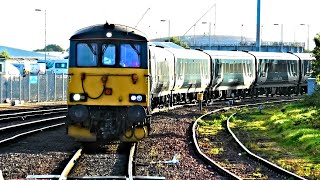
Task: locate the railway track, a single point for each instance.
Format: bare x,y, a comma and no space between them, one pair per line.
18,123
8,118
237,162
166,153
101,165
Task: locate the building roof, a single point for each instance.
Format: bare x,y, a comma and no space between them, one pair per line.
214,39
15,53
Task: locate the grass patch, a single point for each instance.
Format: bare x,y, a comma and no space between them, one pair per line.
288,134
213,125
215,151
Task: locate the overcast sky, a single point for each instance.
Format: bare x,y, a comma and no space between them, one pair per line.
22,27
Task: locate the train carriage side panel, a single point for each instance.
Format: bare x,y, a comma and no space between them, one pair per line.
192,69
305,69
235,69
280,69
162,71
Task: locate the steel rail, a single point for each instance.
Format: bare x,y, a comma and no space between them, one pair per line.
70,165
205,157
29,132
130,162
29,123
30,112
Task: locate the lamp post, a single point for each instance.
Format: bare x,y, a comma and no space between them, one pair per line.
281,26
241,38
164,20
194,34
45,34
261,31
308,34
209,33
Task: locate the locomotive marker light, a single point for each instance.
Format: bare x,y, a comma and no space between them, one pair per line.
137,98
78,97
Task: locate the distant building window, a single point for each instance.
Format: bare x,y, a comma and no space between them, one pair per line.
61,65
1,68
87,54
130,55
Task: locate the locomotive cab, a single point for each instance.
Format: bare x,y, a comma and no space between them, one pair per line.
108,85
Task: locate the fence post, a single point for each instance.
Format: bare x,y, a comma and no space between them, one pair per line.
29,86
38,90
11,91
20,88
55,87
1,98
63,86
47,87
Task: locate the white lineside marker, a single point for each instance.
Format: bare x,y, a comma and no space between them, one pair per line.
1,177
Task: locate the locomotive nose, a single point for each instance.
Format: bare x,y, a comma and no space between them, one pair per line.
78,113
136,114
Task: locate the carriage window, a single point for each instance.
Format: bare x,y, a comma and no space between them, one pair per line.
218,67
109,54
87,54
294,67
130,55
307,68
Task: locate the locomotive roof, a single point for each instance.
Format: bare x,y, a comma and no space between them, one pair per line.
100,32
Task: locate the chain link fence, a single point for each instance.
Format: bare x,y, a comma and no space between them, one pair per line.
34,88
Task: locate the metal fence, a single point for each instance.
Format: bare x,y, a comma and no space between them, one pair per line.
34,88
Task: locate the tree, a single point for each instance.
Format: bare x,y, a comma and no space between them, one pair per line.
316,53
50,48
177,41
5,54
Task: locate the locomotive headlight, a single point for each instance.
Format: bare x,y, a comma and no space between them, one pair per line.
136,114
78,97
109,34
133,98
78,113
137,98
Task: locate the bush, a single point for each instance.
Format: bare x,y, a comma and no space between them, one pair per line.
313,100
